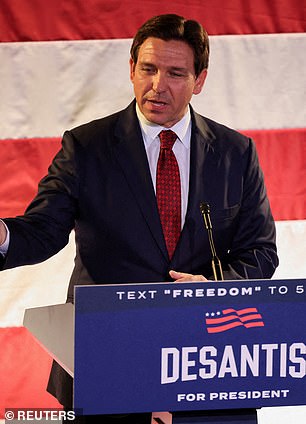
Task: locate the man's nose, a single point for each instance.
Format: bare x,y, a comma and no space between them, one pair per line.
159,82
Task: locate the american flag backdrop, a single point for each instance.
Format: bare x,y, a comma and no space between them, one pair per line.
65,62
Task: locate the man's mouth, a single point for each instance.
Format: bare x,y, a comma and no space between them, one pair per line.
156,103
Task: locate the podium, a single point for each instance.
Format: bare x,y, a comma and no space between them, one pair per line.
207,352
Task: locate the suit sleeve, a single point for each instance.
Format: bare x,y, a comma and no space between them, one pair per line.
253,253
45,227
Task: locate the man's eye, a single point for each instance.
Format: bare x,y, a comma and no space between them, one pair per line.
176,74
147,69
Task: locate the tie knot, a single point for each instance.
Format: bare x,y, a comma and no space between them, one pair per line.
167,139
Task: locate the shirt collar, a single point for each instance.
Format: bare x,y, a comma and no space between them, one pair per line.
151,130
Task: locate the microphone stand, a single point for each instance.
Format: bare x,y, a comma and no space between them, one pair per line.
215,261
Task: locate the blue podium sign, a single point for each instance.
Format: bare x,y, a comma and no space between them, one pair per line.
190,346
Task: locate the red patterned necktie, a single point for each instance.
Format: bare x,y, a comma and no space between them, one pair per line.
168,190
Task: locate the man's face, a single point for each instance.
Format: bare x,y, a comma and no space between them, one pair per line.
164,80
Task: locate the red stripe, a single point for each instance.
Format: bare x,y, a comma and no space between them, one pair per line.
36,20
226,327
210,321
282,154
254,324
240,312
26,162
24,372
250,318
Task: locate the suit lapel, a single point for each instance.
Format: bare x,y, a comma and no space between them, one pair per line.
132,158
203,160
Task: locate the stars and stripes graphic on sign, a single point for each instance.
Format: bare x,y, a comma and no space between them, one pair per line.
231,318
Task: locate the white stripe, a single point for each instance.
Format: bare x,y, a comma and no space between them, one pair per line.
47,87
254,82
47,283
35,285
282,415
291,245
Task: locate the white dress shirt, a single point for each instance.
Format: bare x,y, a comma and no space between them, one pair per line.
4,247
181,149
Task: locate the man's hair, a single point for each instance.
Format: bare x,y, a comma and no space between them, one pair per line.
173,27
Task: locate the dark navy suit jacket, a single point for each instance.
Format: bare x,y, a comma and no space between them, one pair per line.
100,185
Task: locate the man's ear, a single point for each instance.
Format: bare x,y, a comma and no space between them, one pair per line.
199,83
132,69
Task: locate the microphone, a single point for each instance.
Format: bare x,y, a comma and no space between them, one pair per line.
215,261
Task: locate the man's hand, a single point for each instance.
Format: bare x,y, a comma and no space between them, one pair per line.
181,277
2,233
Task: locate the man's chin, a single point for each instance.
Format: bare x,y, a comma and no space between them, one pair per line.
156,117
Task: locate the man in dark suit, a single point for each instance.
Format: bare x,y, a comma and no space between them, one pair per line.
102,184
